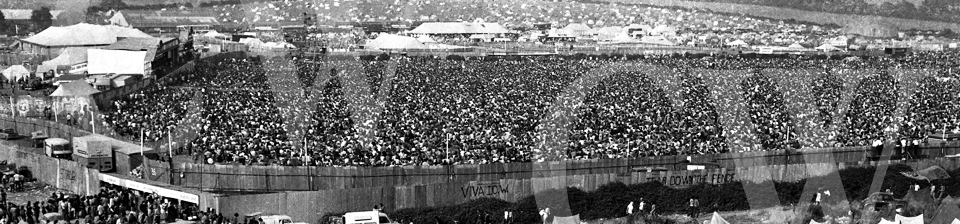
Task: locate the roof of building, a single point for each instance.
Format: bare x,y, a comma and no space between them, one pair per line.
149,44
24,14
82,35
459,28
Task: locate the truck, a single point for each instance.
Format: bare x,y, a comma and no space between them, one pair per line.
368,217
57,148
95,151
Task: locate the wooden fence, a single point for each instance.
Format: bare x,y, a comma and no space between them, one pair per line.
277,178
309,205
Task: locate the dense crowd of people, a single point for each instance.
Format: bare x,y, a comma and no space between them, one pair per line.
435,111
112,205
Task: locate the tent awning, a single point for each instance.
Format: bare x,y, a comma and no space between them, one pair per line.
74,88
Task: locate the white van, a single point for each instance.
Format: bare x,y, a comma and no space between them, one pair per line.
276,219
370,217
267,219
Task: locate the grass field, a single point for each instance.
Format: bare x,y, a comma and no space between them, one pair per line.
801,15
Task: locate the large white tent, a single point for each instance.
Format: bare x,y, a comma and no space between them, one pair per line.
738,43
16,72
827,47
391,41
83,35
115,61
75,88
51,41
69,56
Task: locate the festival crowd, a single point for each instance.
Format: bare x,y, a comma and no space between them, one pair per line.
436,111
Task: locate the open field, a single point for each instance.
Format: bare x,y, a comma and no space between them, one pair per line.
801,15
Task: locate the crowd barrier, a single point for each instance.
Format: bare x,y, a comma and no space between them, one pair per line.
279,178
60,173
308,206
175,74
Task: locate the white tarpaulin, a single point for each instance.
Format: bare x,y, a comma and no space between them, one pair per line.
885,221
909,220
183,196
115,61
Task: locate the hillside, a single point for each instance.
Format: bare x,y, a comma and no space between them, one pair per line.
933,10
801,15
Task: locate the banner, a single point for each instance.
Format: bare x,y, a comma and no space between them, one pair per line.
26,105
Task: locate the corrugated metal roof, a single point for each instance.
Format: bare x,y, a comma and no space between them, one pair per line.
150,45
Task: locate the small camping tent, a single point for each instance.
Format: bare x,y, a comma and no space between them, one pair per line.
716,219
796,46
119,20
885,221
567,220
75,88
16,72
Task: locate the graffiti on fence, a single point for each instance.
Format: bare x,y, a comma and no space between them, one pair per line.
687,180
477,190
68,174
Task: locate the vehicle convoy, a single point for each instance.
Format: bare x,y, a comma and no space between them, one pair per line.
368,217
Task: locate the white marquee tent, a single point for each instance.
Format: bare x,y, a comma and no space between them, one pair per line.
390,41
16,72
75,88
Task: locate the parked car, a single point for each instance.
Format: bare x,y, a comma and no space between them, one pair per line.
882,200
